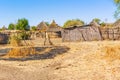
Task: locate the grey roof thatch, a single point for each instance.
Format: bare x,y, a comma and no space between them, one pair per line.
91,24
117,23
81,33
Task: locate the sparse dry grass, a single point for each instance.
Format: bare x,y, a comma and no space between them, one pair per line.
83,61
106,50
111,52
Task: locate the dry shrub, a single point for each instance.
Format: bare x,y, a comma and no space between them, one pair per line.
14,40
111,52
20,52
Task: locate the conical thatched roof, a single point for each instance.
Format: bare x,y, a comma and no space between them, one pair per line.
42,26
117,23
54,27
53,24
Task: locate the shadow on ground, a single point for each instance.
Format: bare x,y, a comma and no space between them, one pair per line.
41,53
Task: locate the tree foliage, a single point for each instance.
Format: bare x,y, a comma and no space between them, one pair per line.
117,1
22,24
11,26
97,20
103,24
74,22
47,23
117,12
33,28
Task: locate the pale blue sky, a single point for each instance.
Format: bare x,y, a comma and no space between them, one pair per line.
59,10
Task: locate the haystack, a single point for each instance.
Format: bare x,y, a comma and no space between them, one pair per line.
17,52
19,48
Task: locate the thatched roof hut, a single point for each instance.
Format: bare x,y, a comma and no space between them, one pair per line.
42,26
82,33
53,27
54,30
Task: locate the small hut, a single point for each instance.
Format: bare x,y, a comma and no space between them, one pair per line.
54,30
42,28
82,33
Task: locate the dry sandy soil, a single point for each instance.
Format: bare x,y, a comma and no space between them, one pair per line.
67,61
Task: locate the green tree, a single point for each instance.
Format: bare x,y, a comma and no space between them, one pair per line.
117,12
11,26
22,24
97,20
117,1
47,23
103,24
74,22
33,28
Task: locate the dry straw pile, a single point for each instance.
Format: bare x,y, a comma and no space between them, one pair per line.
21,52
19,48
14,40
111,52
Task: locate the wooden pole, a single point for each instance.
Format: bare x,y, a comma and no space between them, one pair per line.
47,38
100,32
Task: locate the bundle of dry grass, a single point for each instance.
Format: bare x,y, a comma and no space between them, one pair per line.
111,52
20,52
19,48
14,40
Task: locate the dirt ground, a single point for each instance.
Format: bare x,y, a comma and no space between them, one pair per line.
65,61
